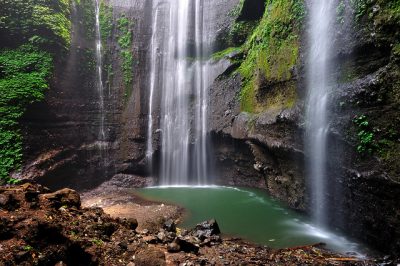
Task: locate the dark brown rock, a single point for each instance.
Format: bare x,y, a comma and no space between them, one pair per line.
63,197
150,256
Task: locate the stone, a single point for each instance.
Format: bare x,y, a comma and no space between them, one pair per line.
4,199
207,229
161,236
184,245
170,226
150,239
131,223
150,256
173,247
66,196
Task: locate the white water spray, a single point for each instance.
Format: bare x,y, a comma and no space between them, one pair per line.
178,69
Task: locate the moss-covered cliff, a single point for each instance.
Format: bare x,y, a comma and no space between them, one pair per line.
259,101
31,33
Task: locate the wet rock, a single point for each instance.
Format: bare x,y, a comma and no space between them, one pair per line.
150,256
162,237
170,226
5,229
150,239
66,196
207,229
130,223
173,247
180,244
123,245
5,199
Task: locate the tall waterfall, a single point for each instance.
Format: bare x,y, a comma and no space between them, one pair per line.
99,74
179,70
321,23
153,75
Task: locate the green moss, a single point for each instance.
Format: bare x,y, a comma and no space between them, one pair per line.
272,52
23,81
106,21
222,54
240,32
125,43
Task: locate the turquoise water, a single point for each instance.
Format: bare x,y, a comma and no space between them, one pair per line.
247,213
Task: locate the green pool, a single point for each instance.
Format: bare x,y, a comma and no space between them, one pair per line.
247,213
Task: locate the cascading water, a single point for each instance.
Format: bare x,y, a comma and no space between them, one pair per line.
178,68
153,75
321,22
99,75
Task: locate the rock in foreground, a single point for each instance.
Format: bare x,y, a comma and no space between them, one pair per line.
42,228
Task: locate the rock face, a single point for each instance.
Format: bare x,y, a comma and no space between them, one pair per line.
61,135
266,146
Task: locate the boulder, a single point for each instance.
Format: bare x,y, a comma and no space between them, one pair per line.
207,229
170,226
184,245
150,256
63,197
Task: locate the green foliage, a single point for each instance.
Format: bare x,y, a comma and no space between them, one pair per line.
360,7
97,242
86,15
23,81
27,248
340,9
106,21
43,22
240,31
272,51
125,43
365,135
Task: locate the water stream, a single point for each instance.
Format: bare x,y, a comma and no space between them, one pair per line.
99,78
321,21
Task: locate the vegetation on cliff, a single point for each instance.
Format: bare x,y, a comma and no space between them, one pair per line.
32,31
270,54
125,43
377,122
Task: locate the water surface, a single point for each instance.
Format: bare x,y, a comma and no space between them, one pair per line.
247,213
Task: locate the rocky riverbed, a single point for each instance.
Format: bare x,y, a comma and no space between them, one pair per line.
38,227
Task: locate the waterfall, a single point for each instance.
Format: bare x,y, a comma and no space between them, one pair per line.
153,75
321,23
99,75
180,75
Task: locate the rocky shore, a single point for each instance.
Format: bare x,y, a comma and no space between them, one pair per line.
38,227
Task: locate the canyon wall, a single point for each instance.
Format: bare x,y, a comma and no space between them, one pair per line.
256,114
